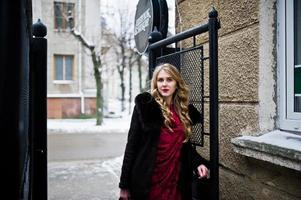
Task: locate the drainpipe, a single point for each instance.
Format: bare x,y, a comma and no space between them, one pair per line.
82,97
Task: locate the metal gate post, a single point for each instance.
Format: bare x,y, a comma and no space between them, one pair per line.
152,63
154,36
38,117
213,74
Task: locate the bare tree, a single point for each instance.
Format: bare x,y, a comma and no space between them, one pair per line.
97,66
128,58
130,82
122,38
134,58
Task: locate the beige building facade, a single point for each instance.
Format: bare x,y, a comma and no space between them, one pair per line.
71,89
259,99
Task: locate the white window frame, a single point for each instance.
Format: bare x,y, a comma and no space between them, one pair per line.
289,120
64,80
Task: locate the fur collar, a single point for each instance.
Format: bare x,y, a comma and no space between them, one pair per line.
150,114
149,111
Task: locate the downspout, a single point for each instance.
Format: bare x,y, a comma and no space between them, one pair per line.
82,97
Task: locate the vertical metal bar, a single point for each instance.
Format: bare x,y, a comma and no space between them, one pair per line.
202,92
38,76
194,41
151,63
153,53
213,74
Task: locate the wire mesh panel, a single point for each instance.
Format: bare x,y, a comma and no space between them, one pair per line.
190,64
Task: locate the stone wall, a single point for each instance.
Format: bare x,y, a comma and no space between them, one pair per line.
246,93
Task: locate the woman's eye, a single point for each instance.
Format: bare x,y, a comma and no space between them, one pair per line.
169,79
160,80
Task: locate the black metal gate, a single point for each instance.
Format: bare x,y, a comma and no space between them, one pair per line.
191,61
23,98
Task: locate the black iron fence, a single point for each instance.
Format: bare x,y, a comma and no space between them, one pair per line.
191,63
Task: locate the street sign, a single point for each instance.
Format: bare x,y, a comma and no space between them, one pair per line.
149,14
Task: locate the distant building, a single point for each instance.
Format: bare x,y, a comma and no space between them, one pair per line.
71,84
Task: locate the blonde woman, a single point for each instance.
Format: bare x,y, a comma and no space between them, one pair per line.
159,159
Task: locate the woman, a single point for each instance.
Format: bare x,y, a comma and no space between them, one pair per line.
159,159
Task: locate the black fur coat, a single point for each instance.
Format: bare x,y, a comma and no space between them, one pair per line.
139,156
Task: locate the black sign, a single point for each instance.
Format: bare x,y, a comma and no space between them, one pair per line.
149,13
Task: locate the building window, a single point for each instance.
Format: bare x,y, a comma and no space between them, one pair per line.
63,67
61,10
289,62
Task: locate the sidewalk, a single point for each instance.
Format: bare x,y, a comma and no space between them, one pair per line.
84,160
84,180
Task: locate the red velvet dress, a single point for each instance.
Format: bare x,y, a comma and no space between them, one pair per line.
167,165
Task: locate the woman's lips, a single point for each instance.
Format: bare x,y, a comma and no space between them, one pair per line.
165,90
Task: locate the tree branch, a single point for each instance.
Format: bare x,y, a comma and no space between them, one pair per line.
82,39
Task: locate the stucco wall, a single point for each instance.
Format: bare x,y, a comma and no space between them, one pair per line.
247,90
59,42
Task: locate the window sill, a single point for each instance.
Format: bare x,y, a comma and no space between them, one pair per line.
278,147
62,30
62,82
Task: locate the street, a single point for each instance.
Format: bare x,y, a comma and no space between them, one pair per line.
64,147
84,166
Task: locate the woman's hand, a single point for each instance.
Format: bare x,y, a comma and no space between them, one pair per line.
203,171
124,194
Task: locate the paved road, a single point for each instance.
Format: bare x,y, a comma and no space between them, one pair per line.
63,147
84,166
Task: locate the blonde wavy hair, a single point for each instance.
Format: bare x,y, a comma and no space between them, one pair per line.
180,98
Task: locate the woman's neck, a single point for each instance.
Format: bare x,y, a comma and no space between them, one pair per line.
168,101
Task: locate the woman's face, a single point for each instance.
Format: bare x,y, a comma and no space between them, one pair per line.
166,85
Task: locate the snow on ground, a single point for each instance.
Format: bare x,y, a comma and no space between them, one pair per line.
114,121
84,180
74,126
87,167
